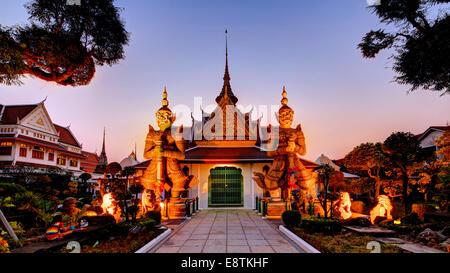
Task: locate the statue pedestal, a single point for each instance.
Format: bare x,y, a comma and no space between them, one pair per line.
176,209
275,209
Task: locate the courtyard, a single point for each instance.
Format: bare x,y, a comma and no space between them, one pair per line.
227,231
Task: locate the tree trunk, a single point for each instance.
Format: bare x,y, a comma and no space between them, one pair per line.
326,200
377,187
405,193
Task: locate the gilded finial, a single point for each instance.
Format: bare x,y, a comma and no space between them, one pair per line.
284,101
165,102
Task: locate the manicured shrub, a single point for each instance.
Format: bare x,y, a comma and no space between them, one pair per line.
291,218
125,227
322,225
155,215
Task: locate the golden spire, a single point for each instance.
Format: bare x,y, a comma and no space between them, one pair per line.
226,92
164,101
284,101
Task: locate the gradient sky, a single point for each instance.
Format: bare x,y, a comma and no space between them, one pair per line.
340,99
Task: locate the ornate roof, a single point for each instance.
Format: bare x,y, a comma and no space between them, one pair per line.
226,89
214,125
11,113
128,161
89,164
102,159
66,136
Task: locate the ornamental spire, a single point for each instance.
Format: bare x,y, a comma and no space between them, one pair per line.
226,77
103,146
164,101
284,100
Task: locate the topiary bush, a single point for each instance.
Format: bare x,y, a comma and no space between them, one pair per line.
322,225
291,218
124,227
155,215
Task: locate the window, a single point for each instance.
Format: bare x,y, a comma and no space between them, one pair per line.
5,148
51,156
61,161
73,163
23,151
37,154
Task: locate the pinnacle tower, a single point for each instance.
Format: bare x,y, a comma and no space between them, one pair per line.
226,89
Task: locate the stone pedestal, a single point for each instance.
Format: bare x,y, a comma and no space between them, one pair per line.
176,209
275,209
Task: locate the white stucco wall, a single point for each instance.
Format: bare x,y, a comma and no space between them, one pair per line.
430,139
202,172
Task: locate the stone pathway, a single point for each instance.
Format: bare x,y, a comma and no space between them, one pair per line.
408,246
227,231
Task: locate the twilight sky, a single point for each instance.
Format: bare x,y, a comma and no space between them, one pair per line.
340,99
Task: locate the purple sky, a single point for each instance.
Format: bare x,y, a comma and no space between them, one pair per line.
340,99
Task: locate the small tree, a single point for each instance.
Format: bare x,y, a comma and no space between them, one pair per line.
327,177
113,169
368,159
135,190
443,143
84,177
403,150
128,171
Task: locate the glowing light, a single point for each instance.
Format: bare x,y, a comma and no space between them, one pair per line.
90,213
383,209
398,222
161,205
109,206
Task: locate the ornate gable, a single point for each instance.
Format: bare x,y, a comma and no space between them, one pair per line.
39,119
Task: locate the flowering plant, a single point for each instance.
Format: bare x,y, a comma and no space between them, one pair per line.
4,247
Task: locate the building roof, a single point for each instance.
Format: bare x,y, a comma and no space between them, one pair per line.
11,113
227,155
339,162
89,163
129,161
433,128
323,159
66,136
235,154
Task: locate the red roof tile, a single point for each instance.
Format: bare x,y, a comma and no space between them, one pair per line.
339,162
11,113
235,154
65,136
443,128
226,154
89,164
427,131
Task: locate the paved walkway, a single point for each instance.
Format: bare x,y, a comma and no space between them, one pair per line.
408,246
227,231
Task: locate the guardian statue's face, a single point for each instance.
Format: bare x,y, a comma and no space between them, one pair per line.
164,119
286,118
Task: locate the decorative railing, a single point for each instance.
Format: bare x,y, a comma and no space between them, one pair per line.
261,205
191,206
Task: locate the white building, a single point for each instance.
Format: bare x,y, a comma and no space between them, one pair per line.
29,137
428,138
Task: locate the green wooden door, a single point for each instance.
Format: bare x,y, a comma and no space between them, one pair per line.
225,187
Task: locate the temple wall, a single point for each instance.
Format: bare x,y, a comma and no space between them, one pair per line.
202,172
